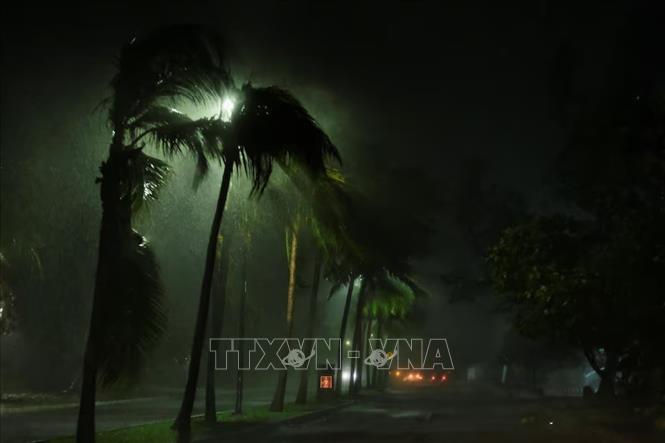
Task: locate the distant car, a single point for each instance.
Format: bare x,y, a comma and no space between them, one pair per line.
419,377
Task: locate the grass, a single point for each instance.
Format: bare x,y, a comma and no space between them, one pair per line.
161,432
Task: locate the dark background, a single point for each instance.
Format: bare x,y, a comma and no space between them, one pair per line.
437,107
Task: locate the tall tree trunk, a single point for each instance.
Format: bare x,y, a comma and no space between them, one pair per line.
216,322
277,404
301,397
608,376
182,423
368,334
85,429
376,374
354,387
114,234
342,334
241,334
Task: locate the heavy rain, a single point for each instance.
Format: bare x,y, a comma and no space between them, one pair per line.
291,220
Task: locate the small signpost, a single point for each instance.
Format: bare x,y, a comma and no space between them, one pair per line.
325,382
326,389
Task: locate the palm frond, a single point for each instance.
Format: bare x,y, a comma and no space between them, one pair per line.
272,126
178,61
174,133
389,296
335,287
131,316
147,176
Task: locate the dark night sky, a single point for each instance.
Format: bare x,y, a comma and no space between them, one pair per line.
436,78
426,84
415,82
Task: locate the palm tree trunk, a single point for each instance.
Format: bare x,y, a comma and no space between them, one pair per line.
114,233
301,397
183,421
241,334
342,334
368,334
379,335
216,322
85,430
354,387
277,404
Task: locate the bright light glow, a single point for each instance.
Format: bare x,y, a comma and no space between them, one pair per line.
355,376
397,373
348,342
346,375
444,377
433,378
413,377
227,109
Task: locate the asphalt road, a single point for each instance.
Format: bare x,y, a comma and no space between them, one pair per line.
38,422
452,413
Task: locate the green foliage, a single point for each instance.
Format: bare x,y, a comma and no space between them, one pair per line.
272,126
594,274
538,269
388,298
130,312
588,284
147,177
176,61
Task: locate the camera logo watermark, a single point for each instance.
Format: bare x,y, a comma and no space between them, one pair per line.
280,354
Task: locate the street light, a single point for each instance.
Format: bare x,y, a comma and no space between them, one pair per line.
228,104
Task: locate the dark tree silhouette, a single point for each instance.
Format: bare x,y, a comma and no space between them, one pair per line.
126,319
270,126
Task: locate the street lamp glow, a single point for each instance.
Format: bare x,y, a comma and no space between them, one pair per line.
227,109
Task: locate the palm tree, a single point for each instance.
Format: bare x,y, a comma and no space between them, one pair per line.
126,319
317,209
386,250
247,221
242,314
216,320
269,126
329,209
292,239
390,299
301,396
342,331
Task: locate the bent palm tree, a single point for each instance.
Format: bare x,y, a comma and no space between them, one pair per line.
391,298
317,209
270,126
220,291
329,214
342,331
126,318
